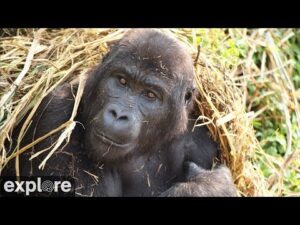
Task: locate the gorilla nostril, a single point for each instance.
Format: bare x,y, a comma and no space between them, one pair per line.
123,118
117,116
113,112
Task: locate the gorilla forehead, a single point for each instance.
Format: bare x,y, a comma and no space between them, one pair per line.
153,50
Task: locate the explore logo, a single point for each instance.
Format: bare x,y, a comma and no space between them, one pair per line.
37,186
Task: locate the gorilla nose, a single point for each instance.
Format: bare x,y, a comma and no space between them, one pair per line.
117,115
119,124
118,120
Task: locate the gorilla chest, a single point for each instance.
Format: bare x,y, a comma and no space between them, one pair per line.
150,176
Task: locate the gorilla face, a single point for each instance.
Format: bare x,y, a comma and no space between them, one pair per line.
129,105
135,93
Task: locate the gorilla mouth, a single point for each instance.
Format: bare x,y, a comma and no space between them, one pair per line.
108,140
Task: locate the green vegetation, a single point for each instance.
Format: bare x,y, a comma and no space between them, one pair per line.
270,61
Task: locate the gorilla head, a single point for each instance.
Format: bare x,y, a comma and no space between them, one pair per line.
144,83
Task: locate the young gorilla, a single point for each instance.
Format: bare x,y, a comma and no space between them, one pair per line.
137,137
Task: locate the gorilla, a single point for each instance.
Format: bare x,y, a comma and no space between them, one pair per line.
134,136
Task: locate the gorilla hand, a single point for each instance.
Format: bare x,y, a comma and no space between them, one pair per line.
203,183
111,183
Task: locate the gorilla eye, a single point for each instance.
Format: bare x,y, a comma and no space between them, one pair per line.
150,95
188,96
122,81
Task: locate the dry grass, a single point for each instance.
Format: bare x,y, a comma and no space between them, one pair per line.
34,62
46,58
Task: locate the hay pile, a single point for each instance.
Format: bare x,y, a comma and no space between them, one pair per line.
34,61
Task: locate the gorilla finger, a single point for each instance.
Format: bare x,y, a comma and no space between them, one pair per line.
191,170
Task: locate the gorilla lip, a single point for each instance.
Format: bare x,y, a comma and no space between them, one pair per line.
108,140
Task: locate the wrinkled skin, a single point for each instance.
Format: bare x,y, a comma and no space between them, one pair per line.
136,134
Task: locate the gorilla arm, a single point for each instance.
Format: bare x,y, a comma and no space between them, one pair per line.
203,183
199,179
